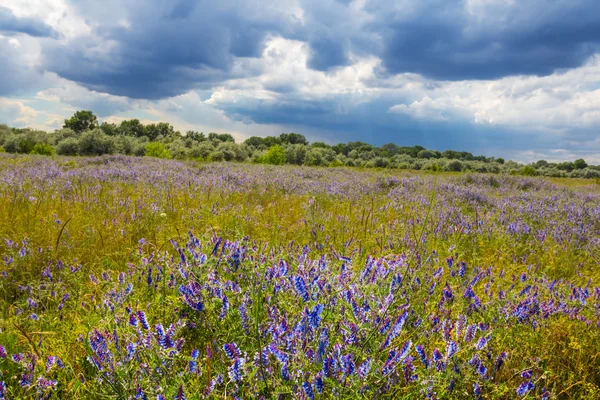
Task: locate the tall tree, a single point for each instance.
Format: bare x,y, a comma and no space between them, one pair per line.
82,121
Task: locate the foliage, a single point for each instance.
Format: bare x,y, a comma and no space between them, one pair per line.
131,137
275,156
43,149
158,150
82,121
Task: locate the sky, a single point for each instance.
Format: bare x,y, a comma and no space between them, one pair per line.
518,79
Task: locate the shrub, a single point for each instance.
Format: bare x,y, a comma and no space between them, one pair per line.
454,166
232,151
68,147
379,162
11,144
157,149
178,150
96,142
43,149
216,155
319,156
2,149
275,155
202,150
528,170
295,153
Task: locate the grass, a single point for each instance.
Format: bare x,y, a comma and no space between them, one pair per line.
94,212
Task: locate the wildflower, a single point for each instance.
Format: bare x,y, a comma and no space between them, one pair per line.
323,342
525,388
409,370
396,329
180,394
319,385
193,366
308,390
143,320
348,365
300,286
231,350
3,353
314,317
236,370
225,308
482,342
364,368
44,383
476,389
499,361
451,349
25,380
422,355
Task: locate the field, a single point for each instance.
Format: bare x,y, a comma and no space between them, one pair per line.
128,277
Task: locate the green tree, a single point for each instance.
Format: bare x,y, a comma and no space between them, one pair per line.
132,127
82,121
580,164
293,138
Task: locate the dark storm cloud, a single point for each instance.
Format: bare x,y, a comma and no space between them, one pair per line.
166,48
444,39
11,24
169,47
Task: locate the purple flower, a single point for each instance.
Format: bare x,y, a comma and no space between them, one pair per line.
236,370
308,390
231,350
482,342
525,388
300,286
422,355
396,329
180,395
364,368
143,320
451,349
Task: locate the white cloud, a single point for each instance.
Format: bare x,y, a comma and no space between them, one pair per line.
16,113
556,103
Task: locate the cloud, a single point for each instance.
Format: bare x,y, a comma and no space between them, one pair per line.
485,39
67,92
163,49
16,113
10,24
18,70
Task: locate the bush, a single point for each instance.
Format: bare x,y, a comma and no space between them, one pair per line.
454,166
379,162
43,149
319,156
232,151
2,149
68,147
96,143
216,156
528,170
178,150
275,155
202,150
11,144
157,149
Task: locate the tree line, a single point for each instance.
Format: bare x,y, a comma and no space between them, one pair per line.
83,135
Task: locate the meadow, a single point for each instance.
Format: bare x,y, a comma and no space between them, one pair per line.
125,277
